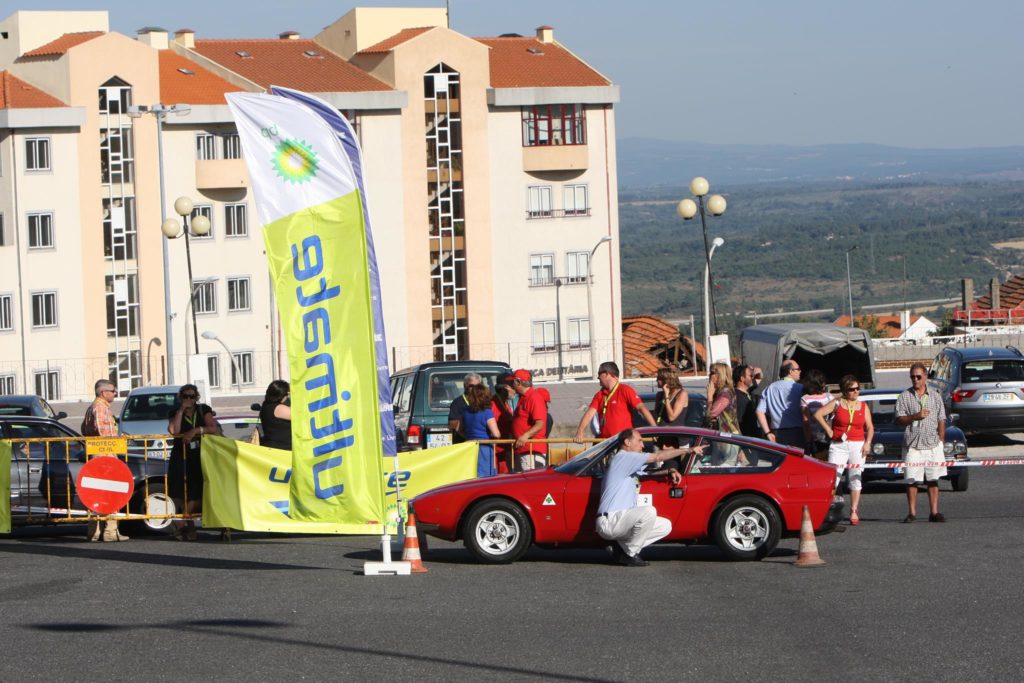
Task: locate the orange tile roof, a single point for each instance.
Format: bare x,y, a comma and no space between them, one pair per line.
388,44
275,61
61,45
1011,295
17,94
890,324
643,337
199,87
518,62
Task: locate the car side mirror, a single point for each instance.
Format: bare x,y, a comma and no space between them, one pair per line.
61,415
256,406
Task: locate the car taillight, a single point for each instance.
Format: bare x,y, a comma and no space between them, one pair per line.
412,436
961,394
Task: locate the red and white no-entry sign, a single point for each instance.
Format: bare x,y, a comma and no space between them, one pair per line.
105,485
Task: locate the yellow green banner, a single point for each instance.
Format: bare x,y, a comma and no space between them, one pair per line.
246,486
5,487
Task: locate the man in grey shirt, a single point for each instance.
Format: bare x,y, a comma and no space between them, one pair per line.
620,519
921,411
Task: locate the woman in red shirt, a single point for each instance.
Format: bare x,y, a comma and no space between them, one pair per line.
851,432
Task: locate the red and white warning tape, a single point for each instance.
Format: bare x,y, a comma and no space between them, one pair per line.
940,463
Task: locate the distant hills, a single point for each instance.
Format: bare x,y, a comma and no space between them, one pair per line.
647,163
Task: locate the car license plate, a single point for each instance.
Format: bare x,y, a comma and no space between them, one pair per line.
999,397
439,439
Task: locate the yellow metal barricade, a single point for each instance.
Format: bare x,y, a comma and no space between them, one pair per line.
44,473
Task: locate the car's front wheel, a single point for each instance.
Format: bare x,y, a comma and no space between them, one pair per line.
153,500
961,481
747,528
497,531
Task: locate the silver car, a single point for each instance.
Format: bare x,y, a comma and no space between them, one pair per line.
982,388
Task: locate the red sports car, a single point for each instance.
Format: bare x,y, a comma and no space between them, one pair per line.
742,494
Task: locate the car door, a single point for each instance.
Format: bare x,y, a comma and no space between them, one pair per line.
19,472
50,466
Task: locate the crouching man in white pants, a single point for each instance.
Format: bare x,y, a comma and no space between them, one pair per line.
620,520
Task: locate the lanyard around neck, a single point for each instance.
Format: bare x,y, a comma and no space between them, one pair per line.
604,408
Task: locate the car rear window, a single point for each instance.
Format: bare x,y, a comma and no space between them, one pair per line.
445,387
993,371
148,407
15,410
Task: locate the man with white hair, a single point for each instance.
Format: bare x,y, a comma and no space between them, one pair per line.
99,421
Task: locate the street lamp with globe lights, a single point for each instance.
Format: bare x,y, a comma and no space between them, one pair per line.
687,209
200,225
715,243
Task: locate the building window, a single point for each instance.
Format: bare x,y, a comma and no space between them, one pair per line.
47,384
543,336
542,269
44,309
122,305
236,223
574,200
37,154
40,230
119,233
232,146
5,240
213,369
206,146
538,201
355,121
6,312
115,97
124,369
579,333
206,297
117,159
202,210
576,266
7,385
242,366
238,294
554,124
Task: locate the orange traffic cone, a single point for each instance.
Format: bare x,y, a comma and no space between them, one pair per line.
411,550
808,555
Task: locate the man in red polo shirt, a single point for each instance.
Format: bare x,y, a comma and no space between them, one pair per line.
529,422
614,404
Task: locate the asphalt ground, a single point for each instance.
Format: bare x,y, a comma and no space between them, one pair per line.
922,601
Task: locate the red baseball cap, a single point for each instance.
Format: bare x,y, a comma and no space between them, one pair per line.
522,375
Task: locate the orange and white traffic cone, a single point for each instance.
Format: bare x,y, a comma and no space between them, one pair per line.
411,551
808,555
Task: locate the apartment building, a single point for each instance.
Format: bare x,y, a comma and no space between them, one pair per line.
490,172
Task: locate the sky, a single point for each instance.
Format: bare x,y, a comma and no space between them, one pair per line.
908,73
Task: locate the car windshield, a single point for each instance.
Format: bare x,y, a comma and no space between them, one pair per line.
993,371
580,462
883,412
148,407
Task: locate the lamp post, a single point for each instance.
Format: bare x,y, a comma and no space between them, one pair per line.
558,325
687,209
149,368
234,366
160,111
849,282
717,242
200,226
191,300
590,307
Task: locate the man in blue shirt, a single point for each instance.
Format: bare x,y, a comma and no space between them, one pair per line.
778,413
620,519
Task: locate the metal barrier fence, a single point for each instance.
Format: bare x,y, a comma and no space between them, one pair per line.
45,472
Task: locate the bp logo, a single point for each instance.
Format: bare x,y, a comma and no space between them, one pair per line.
295,161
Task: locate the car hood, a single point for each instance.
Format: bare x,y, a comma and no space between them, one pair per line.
893,432
498,482
143,427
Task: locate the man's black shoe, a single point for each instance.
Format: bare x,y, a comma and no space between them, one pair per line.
632,561
616,551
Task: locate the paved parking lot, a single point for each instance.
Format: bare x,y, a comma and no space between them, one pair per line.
895,602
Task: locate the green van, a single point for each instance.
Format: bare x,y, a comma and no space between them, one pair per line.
423,393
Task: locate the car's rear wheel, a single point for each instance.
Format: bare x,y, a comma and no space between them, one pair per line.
153,500
497,531
961,481
747,528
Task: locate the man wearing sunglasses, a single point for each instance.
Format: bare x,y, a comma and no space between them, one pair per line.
921,411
